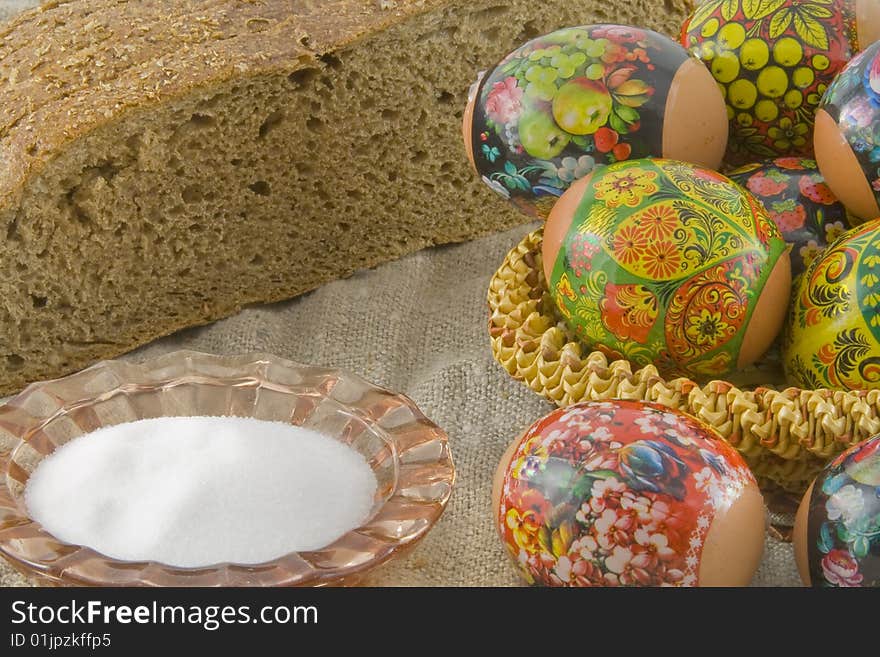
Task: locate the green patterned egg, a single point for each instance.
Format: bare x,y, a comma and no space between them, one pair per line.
832,338
659,261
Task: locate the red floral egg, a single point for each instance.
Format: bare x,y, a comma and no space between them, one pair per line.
566,102
627,493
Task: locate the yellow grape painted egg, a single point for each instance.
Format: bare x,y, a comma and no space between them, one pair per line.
659,261
773,60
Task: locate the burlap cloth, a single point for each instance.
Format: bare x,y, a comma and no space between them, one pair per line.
416,326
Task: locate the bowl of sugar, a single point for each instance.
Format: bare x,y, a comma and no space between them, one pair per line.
199,470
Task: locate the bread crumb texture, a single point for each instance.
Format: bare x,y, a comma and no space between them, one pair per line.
166,162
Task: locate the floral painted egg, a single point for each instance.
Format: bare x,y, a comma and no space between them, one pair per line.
795,195
832,337
847,135
662,262
837,527
627,493
773,60
563,103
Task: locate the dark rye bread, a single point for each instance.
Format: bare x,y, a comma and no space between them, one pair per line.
163,163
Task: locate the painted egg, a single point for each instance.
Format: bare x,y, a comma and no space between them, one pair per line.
627,493
832,337
847,135
662,262
773,60
563,103
837,527
795,195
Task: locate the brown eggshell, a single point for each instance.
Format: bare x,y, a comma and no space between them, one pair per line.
799,537
559,221
498,479
735,542
695,124
841,169
766,323
467,124
867,22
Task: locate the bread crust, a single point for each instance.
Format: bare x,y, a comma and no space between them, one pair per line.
69,67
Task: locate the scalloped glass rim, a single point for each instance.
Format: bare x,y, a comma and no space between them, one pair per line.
411,452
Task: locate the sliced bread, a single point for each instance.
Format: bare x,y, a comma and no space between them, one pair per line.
166,162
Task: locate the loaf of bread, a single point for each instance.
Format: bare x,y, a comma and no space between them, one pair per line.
165,162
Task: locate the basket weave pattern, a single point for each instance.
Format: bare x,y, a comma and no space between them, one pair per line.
786,435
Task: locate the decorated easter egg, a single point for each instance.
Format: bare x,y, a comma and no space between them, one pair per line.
627,493
662,262
561,104
795,195
773,60
847,135
837,527
832,337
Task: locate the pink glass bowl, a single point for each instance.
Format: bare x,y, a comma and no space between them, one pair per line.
408,453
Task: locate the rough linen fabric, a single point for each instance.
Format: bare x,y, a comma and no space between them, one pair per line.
416,326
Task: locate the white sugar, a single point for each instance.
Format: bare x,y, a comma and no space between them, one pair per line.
196,491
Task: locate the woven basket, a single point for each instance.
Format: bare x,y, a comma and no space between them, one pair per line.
785,434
